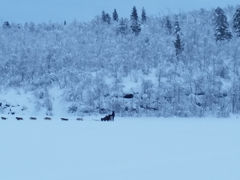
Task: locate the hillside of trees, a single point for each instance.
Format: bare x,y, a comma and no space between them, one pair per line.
185,64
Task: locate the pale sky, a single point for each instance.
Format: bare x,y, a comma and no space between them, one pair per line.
85,10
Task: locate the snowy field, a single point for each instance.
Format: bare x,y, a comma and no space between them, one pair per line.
127,149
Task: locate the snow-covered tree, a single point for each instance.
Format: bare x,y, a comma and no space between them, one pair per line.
178,45
178,42
236,22
106,17
177,28
135,25
143,15
221,25
115,15
168,25
123,26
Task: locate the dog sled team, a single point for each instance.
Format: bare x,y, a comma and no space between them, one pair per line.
109,117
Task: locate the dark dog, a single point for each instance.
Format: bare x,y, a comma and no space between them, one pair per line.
64,119
109,117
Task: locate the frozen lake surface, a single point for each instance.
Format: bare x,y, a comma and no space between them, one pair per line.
127,149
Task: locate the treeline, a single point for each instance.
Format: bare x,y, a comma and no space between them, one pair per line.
184,64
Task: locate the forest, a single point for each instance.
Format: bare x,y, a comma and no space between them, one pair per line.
184,64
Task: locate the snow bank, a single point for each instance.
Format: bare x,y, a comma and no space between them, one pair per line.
19,102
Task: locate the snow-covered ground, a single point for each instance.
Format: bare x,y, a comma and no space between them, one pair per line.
127,149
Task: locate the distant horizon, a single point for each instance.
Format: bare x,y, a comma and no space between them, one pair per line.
85,10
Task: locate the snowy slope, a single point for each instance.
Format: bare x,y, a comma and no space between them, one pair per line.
89,68
26,103
127,149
